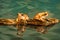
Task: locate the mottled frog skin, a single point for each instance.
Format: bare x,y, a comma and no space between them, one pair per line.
10,8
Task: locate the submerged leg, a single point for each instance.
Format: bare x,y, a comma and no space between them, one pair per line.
41,29
20,30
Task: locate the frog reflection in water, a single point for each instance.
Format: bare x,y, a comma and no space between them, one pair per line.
22,18
42,17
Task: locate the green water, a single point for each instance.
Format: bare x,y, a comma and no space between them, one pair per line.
10,8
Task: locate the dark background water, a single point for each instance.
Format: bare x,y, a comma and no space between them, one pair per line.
10,8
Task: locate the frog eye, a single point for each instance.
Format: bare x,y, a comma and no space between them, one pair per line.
45,14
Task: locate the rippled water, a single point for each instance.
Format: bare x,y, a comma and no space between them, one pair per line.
10,8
